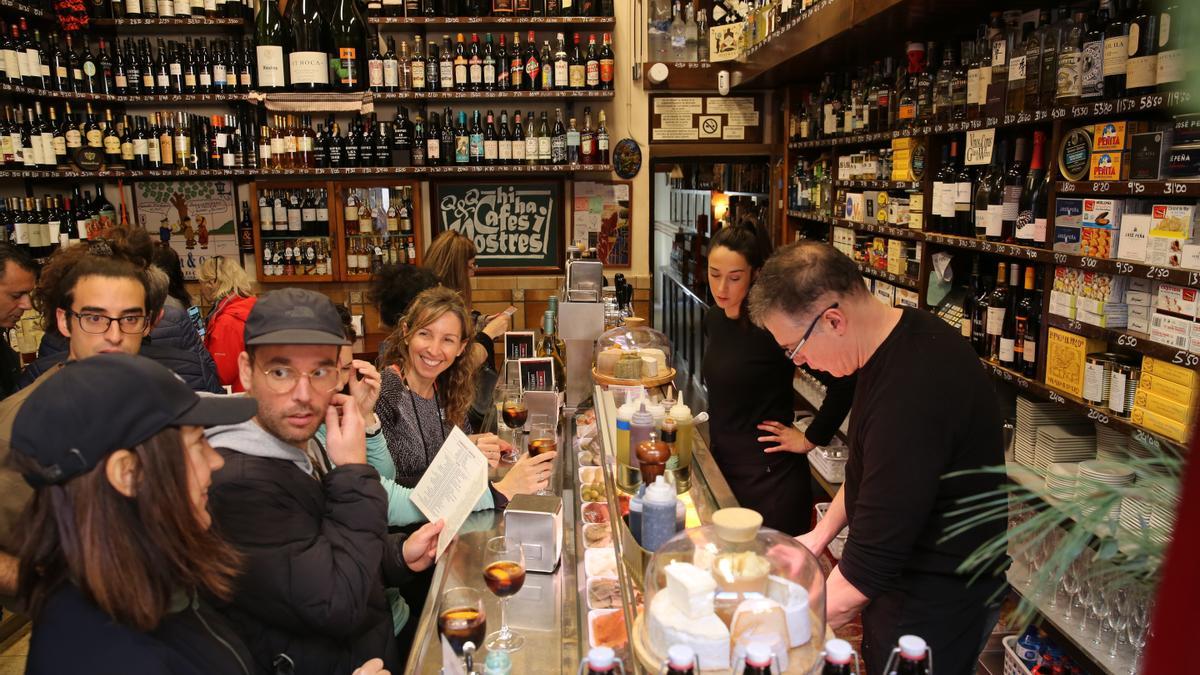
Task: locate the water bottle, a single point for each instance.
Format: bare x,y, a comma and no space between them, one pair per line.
1028,647
658,514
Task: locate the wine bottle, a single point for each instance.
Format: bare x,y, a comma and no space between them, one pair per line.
1031,216
997,307
1028,310
1116,56
1009,332
1013,181
1141,68
308,60
348,54
1173,31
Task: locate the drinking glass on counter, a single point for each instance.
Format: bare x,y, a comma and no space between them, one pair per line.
515,413
543,438
462,619
504,574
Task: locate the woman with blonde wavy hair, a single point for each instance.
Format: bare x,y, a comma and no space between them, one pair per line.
225,285
427,389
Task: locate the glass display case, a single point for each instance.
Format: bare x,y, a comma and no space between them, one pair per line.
633,354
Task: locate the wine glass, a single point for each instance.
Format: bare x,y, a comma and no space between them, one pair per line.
1070,586
1118,616
515,413
462,619
1086,589
542,439
504,574
1100,607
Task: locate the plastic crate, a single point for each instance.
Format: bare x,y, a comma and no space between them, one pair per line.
1013,665
839,542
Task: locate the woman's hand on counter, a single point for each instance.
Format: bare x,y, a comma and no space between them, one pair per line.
421,546
527,476
786,437
492,446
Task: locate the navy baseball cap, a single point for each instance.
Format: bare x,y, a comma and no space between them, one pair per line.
108,402
294,316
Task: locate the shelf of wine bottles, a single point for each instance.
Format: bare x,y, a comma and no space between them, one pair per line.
547,21
1164,102
305,173
378,226
26,9
170,22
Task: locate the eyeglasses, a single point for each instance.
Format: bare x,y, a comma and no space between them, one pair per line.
283,379
791,353
99,323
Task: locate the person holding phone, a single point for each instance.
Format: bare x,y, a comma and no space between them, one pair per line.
309,518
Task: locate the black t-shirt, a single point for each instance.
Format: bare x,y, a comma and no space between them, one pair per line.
924,407
749,380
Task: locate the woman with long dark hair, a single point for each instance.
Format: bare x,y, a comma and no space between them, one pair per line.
750,394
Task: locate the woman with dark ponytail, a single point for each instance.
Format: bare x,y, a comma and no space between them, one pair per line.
750,394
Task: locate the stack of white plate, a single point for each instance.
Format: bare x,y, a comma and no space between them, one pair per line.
1111,445
1162,514
1095,477
1059,443
1060,480
1030,415
1135,514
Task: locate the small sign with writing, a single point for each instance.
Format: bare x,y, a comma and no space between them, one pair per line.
515,225
979,147
518,345
723,41
537,374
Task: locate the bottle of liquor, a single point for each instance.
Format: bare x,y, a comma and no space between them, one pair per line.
1141,68
1009,333
308,61
603,155
591,65
554,348
375,65
1014,179
997,307
532,142
983,196
558,141
459,72
475,65
1027,314
489,62
449,140
1031,216
577,69
1070,61
348,49
533,65
475,147
1174,44
462,140
547,72
607,64
587,139
941,209
1116,44
1092,68
907,112
942,96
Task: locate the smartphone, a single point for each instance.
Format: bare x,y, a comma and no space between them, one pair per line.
510,311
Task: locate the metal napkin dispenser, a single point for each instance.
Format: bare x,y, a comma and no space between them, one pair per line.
537,522
585,280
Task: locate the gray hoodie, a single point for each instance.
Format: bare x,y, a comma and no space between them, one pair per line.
249,438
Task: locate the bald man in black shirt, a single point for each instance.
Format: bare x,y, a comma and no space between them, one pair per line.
923,408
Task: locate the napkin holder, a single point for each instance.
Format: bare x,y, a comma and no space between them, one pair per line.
536,521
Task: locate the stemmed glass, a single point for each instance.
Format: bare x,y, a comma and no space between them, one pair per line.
462,620
504,574
515,412
1100,607
1118,616
1070,586
1137,628
543,439
1086,590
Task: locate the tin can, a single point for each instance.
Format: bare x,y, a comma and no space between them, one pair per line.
1124,377
1096,378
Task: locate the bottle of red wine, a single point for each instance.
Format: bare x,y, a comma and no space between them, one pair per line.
348,47
308,61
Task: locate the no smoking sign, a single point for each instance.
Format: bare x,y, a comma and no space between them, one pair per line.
710,126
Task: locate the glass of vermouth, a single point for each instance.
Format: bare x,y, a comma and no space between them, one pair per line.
504,574
542,439
462,620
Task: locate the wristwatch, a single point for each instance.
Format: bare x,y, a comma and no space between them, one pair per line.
375,426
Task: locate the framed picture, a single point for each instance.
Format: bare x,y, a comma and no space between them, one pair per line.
517,225
600,219
196,218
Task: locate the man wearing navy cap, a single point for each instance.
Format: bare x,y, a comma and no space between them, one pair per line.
310,519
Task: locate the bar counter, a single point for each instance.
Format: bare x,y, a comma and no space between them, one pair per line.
551,610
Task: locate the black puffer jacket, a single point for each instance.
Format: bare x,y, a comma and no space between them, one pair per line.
317,555
174,343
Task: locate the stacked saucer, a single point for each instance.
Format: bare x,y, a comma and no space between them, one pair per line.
1031,415
1111,445
1060,480
1060,443
1162,513
1097,479
1135,514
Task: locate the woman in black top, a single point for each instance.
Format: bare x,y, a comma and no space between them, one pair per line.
750,394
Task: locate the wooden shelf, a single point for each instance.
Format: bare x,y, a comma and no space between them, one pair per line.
1098,415
897,279
170,22
382,171
1150,103
569,94
1127,339
524,21
17,7
1129,188
879,184
161,99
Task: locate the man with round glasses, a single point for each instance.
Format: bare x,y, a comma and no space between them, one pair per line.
924,410
310,518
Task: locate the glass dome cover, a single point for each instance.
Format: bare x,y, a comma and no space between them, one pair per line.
719,588
632,354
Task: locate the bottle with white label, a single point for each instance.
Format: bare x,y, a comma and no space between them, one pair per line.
270,36
997,306
1009,333
1141,68
308,61
1171,67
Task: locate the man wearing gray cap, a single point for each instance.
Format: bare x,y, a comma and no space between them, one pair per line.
310,519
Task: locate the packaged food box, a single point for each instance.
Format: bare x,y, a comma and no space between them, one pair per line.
916,211
1114,135
1140,324
1169,371
1148,155
856,207
1141,284
1170,330
1159,424
1068,221
1108,165
1179,300
906,298
1140,311
1101,220
1112,319
1102,287
1173,220
1066,357
1166,388
1183,162
885,292
1165,251
1067,280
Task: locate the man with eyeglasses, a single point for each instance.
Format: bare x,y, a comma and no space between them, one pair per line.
310,518
17,279
923,408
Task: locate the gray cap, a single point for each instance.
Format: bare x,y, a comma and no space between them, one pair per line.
294,316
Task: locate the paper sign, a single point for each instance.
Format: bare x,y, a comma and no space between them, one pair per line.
979,146
452,485
518,345
734,133
537,374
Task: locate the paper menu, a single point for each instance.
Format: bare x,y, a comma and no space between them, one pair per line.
452,485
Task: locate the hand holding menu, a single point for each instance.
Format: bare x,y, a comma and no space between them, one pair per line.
452,485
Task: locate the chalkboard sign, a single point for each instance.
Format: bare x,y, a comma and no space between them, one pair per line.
516,225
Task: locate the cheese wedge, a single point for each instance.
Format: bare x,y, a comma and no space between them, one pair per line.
707,636
690,589
794,599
